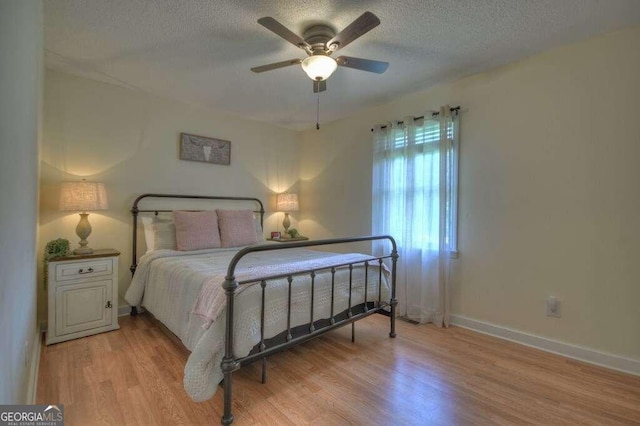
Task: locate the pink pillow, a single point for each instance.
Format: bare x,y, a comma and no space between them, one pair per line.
196,230
237,228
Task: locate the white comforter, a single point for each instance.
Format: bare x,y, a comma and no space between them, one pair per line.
169,282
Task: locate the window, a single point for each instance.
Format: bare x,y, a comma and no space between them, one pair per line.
415,184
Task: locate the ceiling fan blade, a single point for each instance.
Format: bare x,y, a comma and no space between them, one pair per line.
276,65
271,24
319,86
365,23
362,64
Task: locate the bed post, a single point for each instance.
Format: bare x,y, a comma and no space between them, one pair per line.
394,301
132,268
228,364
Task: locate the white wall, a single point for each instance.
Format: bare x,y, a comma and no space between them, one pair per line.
129,140
549,189
20,94
549,182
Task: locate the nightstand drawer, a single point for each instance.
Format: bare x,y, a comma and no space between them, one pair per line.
83,270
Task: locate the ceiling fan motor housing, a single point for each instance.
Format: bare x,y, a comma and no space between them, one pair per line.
317,37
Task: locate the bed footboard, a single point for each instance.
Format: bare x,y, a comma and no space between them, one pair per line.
230,363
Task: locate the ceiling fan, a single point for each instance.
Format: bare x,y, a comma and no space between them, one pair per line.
319,42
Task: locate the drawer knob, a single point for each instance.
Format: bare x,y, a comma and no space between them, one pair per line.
82,271
108,305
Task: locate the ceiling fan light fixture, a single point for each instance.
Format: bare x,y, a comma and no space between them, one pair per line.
319,67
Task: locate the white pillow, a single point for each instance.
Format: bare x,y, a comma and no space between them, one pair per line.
159,233
259,231
147,223
165,233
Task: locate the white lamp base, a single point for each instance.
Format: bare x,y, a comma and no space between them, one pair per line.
83,250
286,223
83,230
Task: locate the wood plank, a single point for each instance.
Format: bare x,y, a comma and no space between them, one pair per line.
426,375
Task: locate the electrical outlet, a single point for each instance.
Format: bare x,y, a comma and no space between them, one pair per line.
553,307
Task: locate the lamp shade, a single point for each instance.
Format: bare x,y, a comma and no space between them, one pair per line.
287,202
319,67
83,196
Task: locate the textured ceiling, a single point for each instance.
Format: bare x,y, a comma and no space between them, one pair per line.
201,51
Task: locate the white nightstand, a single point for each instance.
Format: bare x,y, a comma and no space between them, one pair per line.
83,295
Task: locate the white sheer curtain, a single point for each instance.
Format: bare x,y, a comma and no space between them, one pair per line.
415,180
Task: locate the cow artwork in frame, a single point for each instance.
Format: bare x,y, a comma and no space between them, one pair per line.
204,149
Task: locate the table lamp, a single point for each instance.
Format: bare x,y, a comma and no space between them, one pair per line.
286,203
83,197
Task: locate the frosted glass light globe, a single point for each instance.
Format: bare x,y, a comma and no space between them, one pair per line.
319,67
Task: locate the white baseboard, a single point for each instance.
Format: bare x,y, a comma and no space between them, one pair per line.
34,366
614,362
124,310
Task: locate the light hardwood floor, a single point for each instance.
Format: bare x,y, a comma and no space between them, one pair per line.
425,376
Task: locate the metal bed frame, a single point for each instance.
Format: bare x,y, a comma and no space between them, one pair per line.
297,335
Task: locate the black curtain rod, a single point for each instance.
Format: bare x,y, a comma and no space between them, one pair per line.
433,114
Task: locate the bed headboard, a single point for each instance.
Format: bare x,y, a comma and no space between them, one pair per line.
135,209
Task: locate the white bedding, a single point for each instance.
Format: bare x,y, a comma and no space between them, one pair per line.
167,283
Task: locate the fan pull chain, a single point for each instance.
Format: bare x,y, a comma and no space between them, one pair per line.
318,113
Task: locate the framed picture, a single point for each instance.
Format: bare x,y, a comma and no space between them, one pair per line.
275,235
204,149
